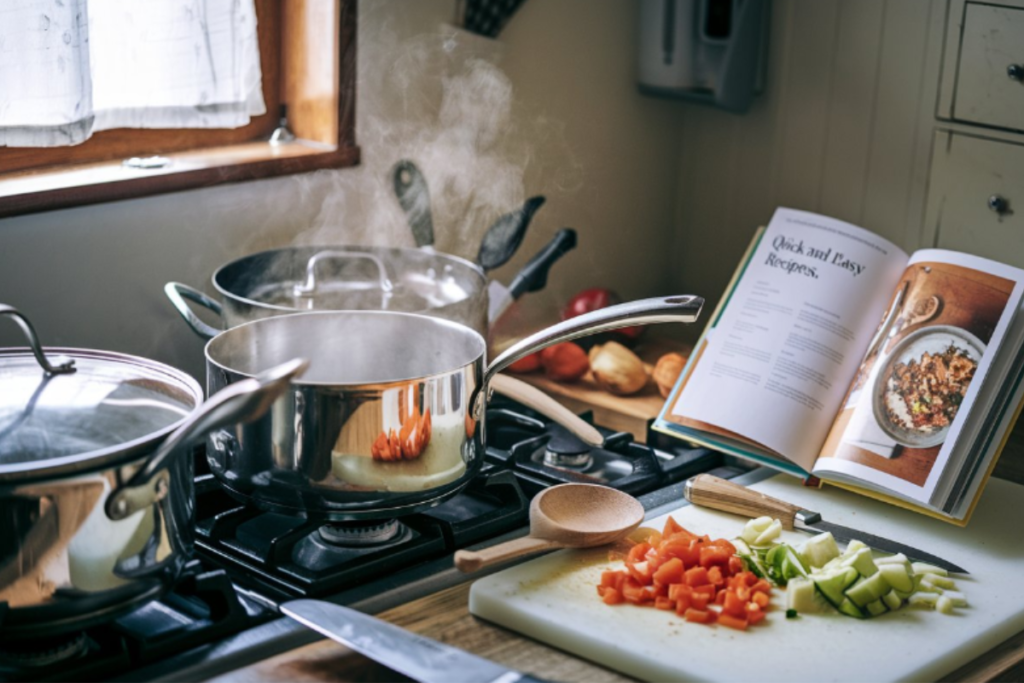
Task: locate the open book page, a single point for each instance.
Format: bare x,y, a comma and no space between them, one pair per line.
777,363
923,393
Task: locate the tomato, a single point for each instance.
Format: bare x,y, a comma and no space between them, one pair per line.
565,362
596,298
526,364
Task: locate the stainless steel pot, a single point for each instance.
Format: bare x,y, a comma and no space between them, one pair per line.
95,509
295,279
390,417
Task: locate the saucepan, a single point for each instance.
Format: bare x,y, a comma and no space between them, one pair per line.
96,505
389,418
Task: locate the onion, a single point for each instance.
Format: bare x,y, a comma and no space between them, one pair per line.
617,370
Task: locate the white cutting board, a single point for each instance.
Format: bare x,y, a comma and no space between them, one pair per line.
553,599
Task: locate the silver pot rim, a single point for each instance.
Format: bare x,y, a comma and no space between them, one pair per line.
213,354
183,385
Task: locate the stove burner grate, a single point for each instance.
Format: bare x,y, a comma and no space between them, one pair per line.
44,652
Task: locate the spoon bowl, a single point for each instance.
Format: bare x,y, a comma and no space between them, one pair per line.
565,516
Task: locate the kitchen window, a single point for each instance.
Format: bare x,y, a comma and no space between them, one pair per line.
307,58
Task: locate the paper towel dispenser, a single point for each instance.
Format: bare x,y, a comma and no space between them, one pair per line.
710,51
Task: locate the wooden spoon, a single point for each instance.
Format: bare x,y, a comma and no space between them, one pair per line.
565,516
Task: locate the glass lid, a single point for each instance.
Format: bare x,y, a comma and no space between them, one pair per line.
107,409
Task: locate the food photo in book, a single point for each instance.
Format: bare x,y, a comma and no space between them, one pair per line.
918,370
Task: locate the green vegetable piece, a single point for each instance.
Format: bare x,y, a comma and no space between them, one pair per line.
818,550
868,589
791,614
833,584
862,562
877,607
848,608
892,600
897,576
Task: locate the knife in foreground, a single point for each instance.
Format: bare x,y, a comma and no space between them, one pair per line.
408,653
710,491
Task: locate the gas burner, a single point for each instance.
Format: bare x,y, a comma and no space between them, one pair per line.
45,652
566,450
354,534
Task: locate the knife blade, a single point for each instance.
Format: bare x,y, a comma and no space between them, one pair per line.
710,491
408,653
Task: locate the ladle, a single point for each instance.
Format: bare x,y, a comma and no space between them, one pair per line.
564,516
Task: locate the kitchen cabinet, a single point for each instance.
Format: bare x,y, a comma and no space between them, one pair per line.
976,195
976,177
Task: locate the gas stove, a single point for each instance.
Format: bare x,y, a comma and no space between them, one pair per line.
223,613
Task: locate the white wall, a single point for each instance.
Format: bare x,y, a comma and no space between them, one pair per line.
844,128
577,131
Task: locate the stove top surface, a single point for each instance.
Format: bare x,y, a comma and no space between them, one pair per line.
223,612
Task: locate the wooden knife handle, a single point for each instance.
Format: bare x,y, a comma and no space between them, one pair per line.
711,491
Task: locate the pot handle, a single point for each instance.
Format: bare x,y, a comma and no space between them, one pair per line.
534,398
309,287
243,401
680,309
178,292
68,366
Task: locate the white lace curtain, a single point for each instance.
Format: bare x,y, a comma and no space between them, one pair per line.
72,67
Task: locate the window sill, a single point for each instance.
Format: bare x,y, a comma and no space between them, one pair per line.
76,185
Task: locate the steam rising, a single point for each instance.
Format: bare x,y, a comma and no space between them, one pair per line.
441,101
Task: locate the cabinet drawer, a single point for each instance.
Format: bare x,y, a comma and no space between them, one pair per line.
968,173
990,69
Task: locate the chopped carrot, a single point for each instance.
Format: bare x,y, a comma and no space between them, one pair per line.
612,597
664,603
698,577
700,616
732,622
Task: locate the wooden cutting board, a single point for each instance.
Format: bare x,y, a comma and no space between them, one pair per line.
553,599
632,413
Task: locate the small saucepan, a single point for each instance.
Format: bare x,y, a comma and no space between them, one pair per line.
390,416
96,498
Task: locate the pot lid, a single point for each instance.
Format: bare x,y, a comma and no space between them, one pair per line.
109,408
350,278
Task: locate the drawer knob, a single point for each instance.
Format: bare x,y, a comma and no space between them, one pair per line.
999,204
1015,72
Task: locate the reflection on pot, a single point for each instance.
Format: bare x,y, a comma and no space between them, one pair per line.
58,536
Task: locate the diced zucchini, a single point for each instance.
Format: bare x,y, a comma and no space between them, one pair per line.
898,558
803,597
944,605
783,564
769,535
897,576
926,600
848,608
927,586
877,607
862,562
925,568
818,550
940,581
834,584
959,599
892,600
868,589
852,548
754,528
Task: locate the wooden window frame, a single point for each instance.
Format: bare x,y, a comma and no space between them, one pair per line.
308,57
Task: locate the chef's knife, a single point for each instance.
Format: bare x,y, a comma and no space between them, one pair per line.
710,491
533,276
410,654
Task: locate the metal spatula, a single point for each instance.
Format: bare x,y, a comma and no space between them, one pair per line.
414,197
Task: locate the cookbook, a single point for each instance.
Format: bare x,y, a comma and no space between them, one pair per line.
835,355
